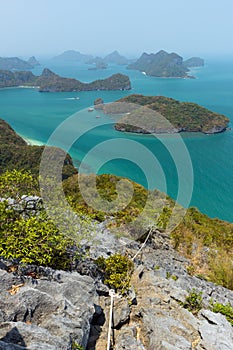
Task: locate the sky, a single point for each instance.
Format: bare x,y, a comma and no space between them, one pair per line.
49,27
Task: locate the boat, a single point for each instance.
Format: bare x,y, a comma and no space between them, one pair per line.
90,109
98,116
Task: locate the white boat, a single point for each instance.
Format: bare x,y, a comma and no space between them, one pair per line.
90,109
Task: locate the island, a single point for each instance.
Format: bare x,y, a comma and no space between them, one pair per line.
159,114
99,63
33,62
116,58
73,56
15,63
51,82
163,64
194,62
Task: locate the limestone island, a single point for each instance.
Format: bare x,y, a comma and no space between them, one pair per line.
15,63
51,82
159,114
165,65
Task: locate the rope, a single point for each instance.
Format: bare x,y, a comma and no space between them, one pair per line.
143,244
112,295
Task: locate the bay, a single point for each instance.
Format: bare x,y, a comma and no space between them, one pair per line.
36,115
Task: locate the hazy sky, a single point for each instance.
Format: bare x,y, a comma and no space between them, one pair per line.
48,27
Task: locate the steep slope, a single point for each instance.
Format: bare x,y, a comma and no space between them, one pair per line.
16,154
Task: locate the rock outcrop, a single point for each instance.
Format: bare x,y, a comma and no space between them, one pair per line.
56,309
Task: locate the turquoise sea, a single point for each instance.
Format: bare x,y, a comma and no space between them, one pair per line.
36,115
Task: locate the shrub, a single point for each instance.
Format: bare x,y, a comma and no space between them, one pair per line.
226,310
117,270
193,301
35,240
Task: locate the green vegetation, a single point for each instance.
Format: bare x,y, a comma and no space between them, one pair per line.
51,82
226,310
193,301
173,277
117,270
76,346
31,238
16,154
182,116
194,304
161,64
208,243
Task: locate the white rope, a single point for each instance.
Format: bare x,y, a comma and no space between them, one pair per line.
112,295
143,244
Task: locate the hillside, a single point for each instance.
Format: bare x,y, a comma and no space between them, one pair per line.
159,114
16,154
163,64
163,275
51,82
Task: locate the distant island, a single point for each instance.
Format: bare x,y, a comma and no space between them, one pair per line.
194,62
98,62
159,114
163,64
116,58
76,56
72,56
51,82
15,63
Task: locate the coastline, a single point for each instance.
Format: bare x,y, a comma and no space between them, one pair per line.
32,142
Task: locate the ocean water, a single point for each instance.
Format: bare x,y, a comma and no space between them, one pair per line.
36,115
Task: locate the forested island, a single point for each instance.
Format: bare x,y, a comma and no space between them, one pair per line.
164,64
51,82
159,114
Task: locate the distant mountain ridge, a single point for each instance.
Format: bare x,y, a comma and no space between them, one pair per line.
115,57
72,55
164,64
51,82
15,63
